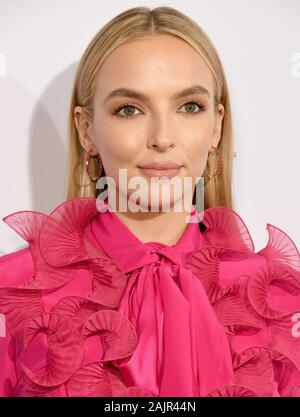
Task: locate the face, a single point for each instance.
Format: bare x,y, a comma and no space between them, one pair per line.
159,124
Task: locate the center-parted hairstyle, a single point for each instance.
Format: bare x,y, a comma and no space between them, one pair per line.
132,24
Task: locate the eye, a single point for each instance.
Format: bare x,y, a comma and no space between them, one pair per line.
191,106
125,106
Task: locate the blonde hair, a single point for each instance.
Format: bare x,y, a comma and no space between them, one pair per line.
131,24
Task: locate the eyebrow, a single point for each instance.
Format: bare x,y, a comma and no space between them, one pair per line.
129,92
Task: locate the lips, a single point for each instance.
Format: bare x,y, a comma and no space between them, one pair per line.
149,172
160,169
161,165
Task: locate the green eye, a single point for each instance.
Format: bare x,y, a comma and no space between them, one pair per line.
125,106
191,106
129,109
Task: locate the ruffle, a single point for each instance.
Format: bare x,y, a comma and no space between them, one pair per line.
259,333
59,249
258,330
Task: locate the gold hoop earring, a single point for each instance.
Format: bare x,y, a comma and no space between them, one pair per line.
209,177
100,165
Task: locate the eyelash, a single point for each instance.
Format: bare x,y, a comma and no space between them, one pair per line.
200,105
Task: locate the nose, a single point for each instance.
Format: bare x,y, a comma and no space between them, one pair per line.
162,136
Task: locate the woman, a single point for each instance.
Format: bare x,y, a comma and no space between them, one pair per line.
119,302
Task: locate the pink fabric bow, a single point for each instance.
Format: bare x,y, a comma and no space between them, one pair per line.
182,347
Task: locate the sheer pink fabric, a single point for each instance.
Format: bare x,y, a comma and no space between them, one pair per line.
90,310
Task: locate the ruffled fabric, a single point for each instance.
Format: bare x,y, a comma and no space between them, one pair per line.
64,316
168,308
99,316
258,305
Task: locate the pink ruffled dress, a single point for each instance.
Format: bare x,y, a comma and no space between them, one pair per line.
87,309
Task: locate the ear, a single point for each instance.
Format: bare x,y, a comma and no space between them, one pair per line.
218,126
84,129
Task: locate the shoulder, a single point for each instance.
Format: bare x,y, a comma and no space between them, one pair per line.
57,245
227,259
16,267
66,220
227,238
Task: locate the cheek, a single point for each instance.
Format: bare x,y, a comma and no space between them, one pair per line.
198,145
196,152
115,144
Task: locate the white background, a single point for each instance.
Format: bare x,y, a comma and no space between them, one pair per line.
258,42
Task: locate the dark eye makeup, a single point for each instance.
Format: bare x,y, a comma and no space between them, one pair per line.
116,111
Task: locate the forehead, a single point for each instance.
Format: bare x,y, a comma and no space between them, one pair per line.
156,65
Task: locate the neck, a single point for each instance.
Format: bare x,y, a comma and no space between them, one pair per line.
162,226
